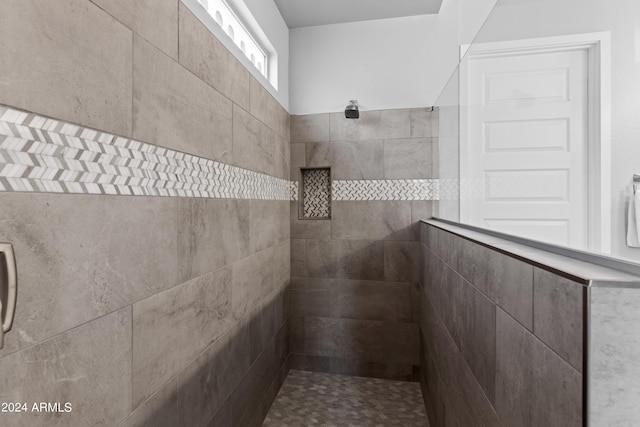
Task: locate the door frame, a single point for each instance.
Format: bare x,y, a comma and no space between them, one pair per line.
598,48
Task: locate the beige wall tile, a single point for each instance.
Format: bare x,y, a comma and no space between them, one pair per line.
348,159
205,385
161,410
154,20
175,109
310,128
266,109
408,158
88,84
352,299
253,143
297,160
534,386
282,157
558,315
211,233
377,220
89,367
80,257
171,328
282,264
380,124
204,55
422,120
401,261
253,280
267,224
345,259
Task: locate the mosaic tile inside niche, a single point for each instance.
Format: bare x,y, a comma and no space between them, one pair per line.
40,154
316,197
312,398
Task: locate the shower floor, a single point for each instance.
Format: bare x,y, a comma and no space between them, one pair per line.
311,398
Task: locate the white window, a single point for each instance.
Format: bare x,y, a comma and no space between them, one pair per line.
233,27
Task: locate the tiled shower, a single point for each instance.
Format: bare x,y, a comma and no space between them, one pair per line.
190,254
354,275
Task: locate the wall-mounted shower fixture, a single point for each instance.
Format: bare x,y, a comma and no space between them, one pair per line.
8,289
352,112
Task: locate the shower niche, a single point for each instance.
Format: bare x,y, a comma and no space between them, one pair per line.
315,202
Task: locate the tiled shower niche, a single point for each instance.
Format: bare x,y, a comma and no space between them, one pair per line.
316,193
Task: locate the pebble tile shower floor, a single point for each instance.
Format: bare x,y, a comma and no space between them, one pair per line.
317,399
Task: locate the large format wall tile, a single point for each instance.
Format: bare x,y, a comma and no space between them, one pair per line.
345,259
89,367
253,280
351,299
298,160
156,21
364,340
481,363
381,124
175,109
513,281
161,410
407,158
268,223
282,157
371,220
219,377
89,84
420,210
348,159
171,328
478,337
211,233
77,260
265,108
558,315
253,143
451,385
534,387
310,128
205,385
401,261
422,123
204,55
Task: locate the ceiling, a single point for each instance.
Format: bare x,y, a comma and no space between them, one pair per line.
305,13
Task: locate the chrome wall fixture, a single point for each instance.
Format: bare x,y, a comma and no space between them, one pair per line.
352,111
8,289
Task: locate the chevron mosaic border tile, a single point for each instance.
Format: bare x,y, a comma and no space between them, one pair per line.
39,154
386,189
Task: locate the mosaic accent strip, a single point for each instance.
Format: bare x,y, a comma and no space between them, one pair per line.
294,190
317,193
39,154
386,189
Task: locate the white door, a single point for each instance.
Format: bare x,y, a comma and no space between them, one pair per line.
524,166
